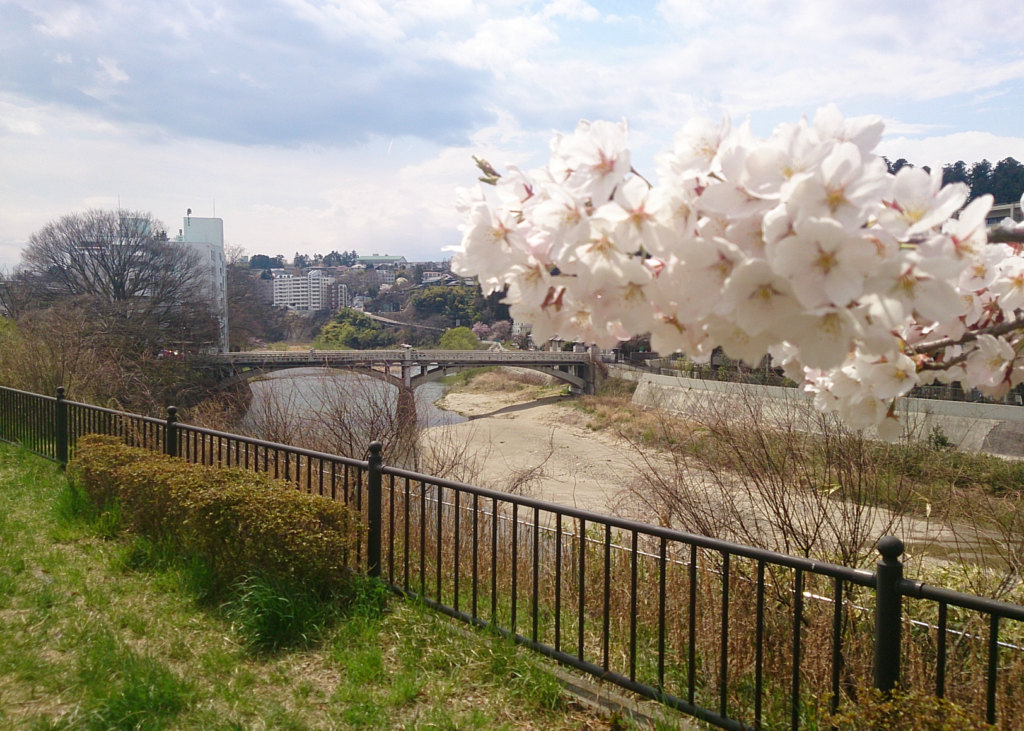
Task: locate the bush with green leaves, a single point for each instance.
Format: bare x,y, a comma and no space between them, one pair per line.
240,524
459,338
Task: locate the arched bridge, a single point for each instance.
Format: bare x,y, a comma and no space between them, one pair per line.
409,368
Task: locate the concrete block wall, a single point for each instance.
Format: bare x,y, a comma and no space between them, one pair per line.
991,428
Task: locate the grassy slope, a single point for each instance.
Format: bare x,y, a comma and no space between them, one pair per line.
89,644
933,466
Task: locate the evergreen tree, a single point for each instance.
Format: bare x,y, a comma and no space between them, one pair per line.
1007,181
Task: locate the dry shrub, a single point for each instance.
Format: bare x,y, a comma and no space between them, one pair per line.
905,712
342,415
493,379
239,523
988,531
53,347
776,474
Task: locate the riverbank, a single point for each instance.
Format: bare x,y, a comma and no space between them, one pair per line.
533,442
574,453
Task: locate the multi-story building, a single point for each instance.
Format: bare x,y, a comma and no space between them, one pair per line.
311,291
338,296
298,292
1005,210
205,236
377,261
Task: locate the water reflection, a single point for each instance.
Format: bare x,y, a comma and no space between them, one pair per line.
309,392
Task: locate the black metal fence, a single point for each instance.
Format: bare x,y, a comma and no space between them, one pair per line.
739,637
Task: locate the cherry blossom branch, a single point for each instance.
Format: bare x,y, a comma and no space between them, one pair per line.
999,235
1001,329
636,173
490,175
831,271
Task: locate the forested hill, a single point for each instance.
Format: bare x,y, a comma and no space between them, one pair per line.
1004,180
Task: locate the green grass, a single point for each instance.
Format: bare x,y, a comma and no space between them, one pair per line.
103,632
462,378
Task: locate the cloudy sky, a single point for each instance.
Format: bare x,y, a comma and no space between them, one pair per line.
314,125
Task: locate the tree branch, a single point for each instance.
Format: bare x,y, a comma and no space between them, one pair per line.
999,235
1000,329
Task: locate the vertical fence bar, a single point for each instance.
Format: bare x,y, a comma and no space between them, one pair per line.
558,582
940,670
358,487
724,660
632,606
692,658
391,526
837,642
423,539
993,666
888,614
476,548
405,541
515,565
662,567
606,628
494,561
536,570
373,537
798,610
60,425
583,586
455,589
759,647
440,532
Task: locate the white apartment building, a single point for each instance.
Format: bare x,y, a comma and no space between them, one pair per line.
313,291
206,237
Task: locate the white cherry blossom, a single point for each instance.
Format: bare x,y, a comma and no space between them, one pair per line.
860,283
988,367
826,264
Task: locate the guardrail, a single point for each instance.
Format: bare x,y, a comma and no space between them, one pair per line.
714,629
400,356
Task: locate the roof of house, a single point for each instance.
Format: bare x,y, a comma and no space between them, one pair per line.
376,259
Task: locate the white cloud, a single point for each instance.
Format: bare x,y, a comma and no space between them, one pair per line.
571,10
350,18
897,127
269,80
967,146
113,71
272,200
503,46
687,13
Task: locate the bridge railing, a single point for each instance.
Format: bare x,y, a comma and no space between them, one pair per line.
739,637
399,356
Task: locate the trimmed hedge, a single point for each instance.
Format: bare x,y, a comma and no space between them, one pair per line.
239,523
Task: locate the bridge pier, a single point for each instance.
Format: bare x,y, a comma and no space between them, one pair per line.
405,415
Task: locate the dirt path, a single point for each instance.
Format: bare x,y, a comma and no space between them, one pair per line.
545,441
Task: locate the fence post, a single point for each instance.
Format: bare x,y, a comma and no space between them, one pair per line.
171,432
60,426
888,614
373,535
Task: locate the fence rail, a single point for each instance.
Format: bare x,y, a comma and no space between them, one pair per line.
737,636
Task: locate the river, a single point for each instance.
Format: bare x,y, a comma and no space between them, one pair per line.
305,392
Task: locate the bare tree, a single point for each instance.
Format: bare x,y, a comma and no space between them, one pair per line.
251,318
141,289
16,294
774,473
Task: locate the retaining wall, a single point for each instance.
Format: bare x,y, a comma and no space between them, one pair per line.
991,428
